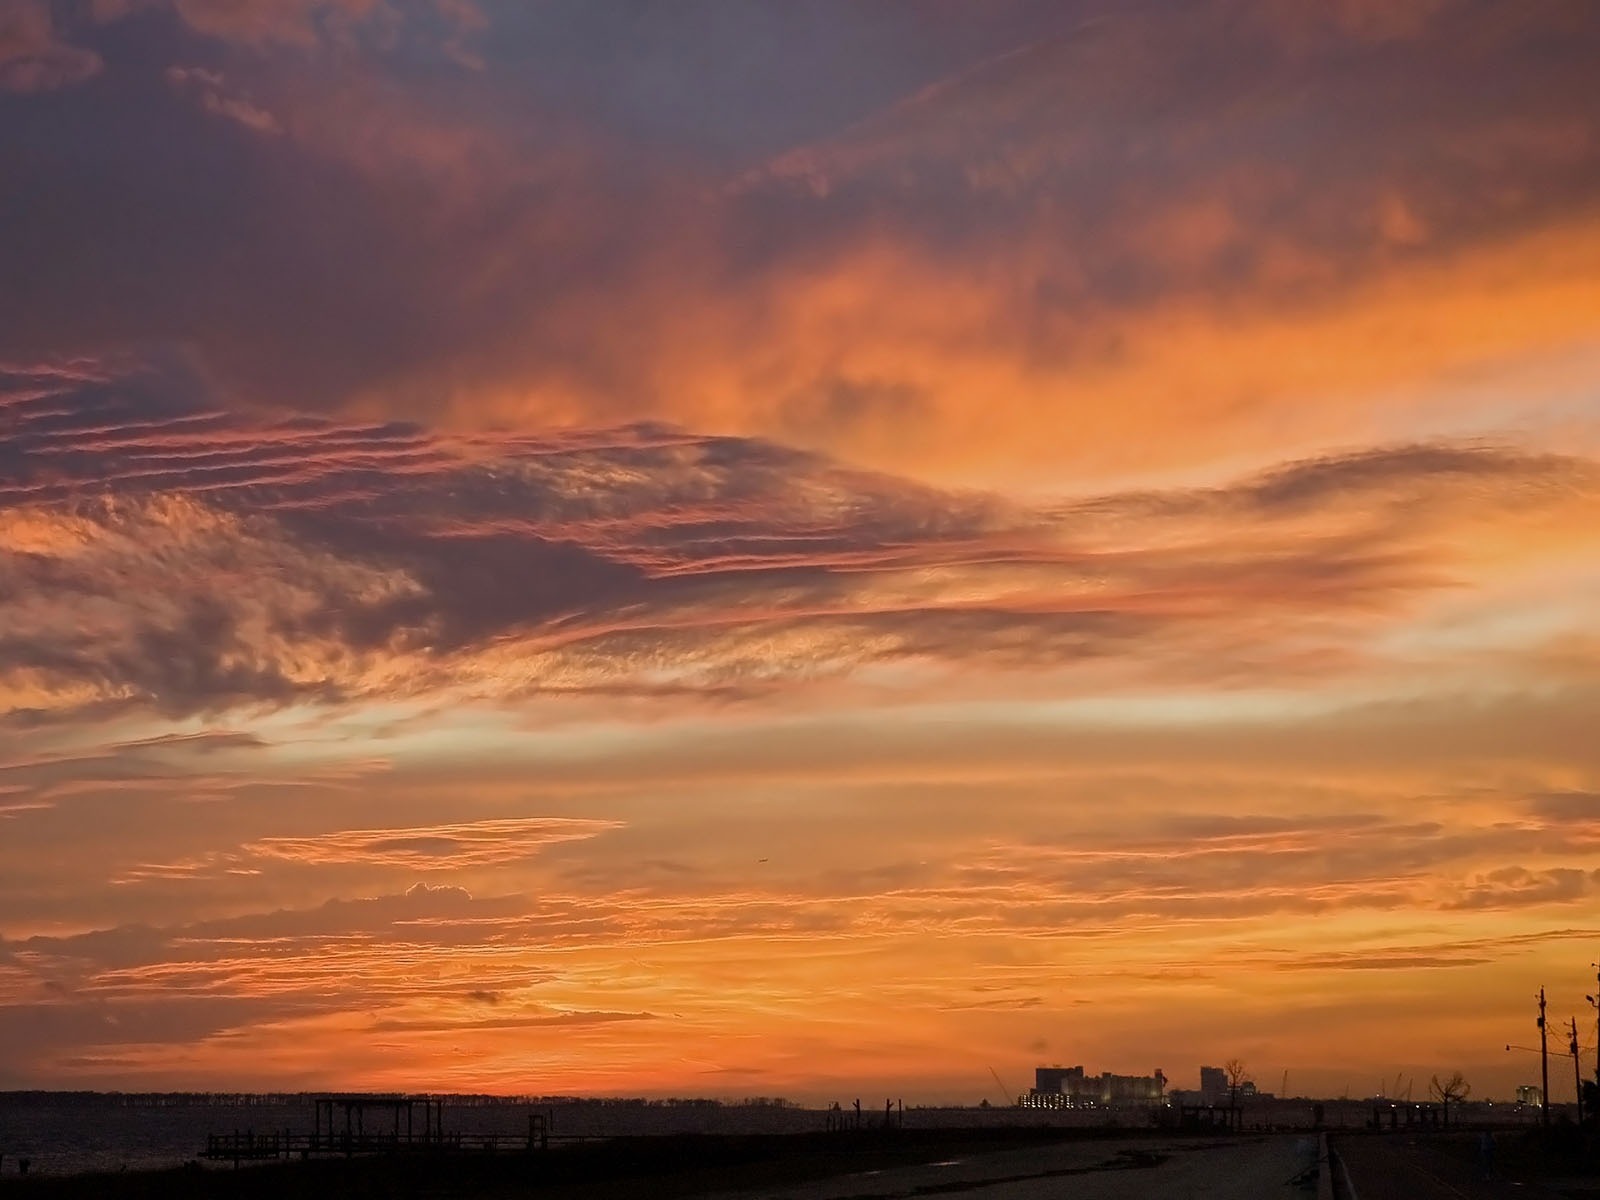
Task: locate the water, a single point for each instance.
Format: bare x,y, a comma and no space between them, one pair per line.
70,1134
67,1134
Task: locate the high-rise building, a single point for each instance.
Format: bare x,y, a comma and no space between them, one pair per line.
1070,1087
1213,1085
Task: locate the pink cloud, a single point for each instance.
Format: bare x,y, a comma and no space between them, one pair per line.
33,58
211,92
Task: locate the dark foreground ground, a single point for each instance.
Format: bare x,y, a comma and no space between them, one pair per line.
912,1164
662,1168
1391,1166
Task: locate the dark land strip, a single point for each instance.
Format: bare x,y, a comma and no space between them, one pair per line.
662,1167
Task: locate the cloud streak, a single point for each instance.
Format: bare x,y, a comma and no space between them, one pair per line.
197,559
474,844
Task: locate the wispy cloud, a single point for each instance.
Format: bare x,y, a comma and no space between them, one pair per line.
306,560
469,844
211,92
1511,886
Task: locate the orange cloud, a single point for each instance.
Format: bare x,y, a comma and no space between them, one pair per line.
1135,249
701,562
436,847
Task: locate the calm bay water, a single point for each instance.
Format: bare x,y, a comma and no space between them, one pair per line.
67,1135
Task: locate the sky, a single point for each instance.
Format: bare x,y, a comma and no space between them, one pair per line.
825,549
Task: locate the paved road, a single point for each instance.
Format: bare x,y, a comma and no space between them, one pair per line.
1400,1168
1244,1169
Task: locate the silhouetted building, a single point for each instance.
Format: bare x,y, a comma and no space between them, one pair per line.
1070,1087
1213,1085
1057,1081
1530,1095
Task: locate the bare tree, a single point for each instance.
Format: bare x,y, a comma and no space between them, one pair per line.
1237,1078
1452,1091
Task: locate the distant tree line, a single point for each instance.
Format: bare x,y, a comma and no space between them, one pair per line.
38,1097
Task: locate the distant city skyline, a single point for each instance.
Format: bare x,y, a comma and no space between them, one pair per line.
837,549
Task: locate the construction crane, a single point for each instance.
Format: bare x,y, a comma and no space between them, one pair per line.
1007,1096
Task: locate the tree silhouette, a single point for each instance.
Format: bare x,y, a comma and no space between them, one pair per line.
1452,1091
1237,1077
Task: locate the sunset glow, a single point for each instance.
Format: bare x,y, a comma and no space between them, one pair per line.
815,549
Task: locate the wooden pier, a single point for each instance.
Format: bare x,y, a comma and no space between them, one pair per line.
379,1125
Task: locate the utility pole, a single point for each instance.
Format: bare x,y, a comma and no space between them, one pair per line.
1577,1072
1595,1000
1544,1067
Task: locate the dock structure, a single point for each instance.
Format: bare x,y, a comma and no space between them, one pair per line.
1211,1116
1406,1116
368,1124
356,1108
